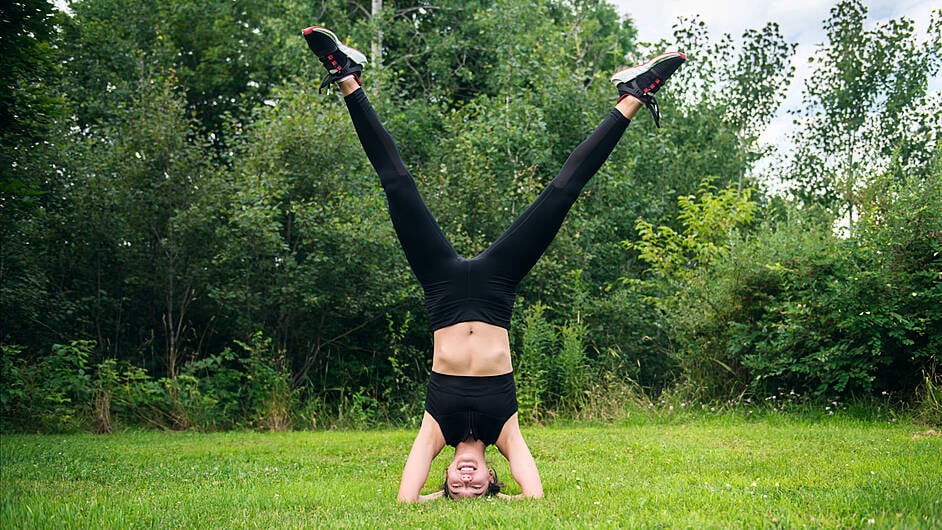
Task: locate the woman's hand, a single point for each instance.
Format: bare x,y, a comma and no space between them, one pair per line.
514,497
431,496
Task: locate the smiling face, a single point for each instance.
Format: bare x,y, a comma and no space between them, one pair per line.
467,477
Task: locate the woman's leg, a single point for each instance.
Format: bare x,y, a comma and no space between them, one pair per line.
424,243
522,244
518,249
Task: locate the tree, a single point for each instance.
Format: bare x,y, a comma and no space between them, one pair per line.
300,245
744,81
865,106
31,107
28,102
227,55
127,184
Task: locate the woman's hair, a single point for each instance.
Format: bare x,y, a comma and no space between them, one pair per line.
493,487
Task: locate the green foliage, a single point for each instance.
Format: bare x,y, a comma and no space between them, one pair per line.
53,394
812,304
710,221
267,384
684,297
901,234
176,190
127,395
32,109
797,307
64,392
66,386
30,102
403,391
227,55
18,386
844,316
532,368
222,380
573,372
750,72
551,368
445,51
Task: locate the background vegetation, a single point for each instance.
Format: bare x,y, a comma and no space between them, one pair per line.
191,237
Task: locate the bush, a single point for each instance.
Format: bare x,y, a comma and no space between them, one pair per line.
900,235
18,389
269,394
804,301
52,395
532,371
795,306
552,375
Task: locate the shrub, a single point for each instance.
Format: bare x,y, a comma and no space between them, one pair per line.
794,306
551,369
18,389
532,371
268,389
571,366
691,304
52,395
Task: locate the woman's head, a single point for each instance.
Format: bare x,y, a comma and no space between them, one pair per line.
469,474
470,479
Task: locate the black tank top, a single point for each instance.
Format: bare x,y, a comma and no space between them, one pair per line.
467,406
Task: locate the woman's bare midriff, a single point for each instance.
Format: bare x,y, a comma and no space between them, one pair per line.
471,348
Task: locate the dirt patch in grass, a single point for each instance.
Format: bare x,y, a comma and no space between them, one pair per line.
926,434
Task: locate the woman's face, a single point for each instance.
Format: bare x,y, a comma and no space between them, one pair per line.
467,477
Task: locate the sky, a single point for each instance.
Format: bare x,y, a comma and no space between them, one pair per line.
800,21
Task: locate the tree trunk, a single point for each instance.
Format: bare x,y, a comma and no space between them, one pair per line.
377,45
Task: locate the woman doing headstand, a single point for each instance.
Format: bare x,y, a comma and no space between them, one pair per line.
471,400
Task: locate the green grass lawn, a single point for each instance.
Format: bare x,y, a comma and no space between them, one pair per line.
719,472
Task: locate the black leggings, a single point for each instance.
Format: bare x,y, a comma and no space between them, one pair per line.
516,251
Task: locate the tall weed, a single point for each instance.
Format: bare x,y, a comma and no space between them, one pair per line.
268,384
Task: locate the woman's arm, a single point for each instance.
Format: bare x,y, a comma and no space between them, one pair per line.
522,466
428,443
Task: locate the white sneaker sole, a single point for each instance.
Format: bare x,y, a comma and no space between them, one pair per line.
623,76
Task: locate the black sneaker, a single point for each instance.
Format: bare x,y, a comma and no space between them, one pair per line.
339,60
644,80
